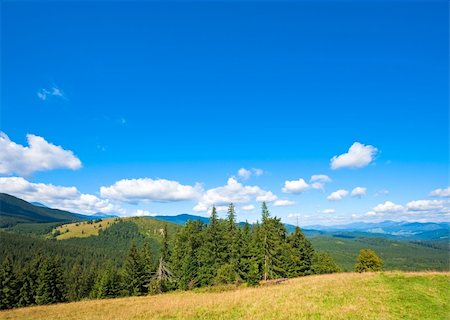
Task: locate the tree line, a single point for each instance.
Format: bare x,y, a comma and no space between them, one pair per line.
198,255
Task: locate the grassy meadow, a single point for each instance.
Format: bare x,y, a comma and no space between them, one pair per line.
83,229
389,295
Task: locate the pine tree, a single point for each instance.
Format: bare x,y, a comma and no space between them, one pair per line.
107,284
50,285
184,257
302,254
273,235
27,292
253,273
134,273
213,250
148,265
9,285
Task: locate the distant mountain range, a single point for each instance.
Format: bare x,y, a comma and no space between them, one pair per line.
385,229
14,210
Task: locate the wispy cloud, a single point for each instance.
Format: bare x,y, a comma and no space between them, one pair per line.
52,92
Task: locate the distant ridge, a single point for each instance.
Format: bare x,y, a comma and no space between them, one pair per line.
14,210
182,218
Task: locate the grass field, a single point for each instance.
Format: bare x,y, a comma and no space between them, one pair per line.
393,295
83,229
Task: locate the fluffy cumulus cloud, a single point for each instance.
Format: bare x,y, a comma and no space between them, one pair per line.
283,203
232,192
40,155
427,205
245,174
416,210
338,195
318,181
328,211
440,193
358,192
59,197
358,156
388,207
248,207
295,186
146,189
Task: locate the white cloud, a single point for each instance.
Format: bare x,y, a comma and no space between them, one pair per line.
142,213
146,189
338,195
266,196
328,211
388,207
59,197
40,155
245,174
248,207
283,203
359,192
232,192
426,205
440,193
318,181
45,94
358,156
295,186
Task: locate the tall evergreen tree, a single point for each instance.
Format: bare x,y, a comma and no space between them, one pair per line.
273,235
50,285
302,255
184,257
134,273
9,285
212,252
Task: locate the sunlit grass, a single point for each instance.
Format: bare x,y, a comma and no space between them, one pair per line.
338,296
83,229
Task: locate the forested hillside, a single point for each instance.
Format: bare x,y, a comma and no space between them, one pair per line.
139,256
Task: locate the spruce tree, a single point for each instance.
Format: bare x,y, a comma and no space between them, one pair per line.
50,285
273,235
9,285
134,273
302,254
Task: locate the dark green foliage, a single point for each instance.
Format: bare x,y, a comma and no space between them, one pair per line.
51,287
128,259
368,261
163,274
108,284
300,262
134,273
272,233
324,263
9,285
186,246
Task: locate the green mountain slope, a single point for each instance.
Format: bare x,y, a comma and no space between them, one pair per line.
14,210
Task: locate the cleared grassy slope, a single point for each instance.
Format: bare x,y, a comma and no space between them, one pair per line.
337,296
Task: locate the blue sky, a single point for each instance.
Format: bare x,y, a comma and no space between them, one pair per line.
190,92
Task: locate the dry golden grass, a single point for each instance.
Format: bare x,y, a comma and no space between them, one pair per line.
83,229
337,296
